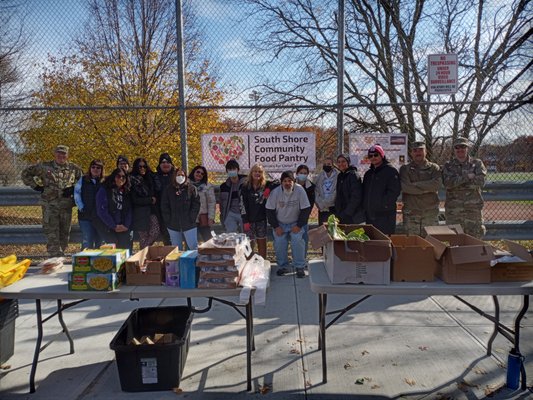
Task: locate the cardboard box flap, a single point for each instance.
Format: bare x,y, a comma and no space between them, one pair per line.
318,237
438,247
444,230
471,254
518,250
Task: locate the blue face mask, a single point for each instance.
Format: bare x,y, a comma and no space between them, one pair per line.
302,177
233,174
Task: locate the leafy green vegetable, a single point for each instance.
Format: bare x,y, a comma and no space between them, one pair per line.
338,234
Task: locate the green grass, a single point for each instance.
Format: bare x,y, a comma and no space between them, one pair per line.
509,176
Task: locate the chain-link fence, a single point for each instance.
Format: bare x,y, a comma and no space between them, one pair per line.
107,77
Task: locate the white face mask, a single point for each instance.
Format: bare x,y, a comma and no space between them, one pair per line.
180,179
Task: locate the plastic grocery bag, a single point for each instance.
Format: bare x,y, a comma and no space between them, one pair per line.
255,275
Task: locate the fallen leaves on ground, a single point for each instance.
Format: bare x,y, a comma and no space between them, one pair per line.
284,332
348,365
491,390
364,353
5,366
177,390
308,384
423,348
360,381
264,389
375,387
294,351
480,371
409,381
464,386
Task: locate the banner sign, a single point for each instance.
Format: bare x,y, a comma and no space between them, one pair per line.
442,73
276,151
394,145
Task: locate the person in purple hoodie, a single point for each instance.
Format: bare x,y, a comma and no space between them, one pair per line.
113,207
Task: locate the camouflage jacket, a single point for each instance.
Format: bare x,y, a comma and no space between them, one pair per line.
461,191
420,185
54,178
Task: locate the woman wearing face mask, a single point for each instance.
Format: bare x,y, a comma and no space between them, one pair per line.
326,190
180,205
302,179
230,198
208,202
143,199
349,199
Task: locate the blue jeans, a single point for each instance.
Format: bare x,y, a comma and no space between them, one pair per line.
90,239
233,222
190,236
305,230
281,247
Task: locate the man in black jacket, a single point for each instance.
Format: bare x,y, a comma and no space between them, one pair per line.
381,188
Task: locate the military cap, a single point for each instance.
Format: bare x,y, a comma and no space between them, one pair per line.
61,148
418,145
461,142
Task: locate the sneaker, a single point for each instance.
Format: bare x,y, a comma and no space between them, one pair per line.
282,271
300,273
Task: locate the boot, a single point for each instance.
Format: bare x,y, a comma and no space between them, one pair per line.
262,247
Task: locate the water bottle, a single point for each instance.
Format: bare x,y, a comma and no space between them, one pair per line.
514,364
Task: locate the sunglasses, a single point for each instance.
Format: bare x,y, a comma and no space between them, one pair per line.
119,176
96,166
142,166
371,155
199,172
461,146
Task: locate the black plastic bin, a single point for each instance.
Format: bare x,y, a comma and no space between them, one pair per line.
150,367
9,311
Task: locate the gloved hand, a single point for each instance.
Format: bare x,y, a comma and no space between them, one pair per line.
39,189
266,193
68,192
247,227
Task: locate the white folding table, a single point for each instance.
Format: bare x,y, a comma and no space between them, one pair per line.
321,284
54,287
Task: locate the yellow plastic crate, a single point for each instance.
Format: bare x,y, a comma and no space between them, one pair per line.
12,272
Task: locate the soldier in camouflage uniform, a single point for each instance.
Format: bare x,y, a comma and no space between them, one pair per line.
420,181
55,180
463,178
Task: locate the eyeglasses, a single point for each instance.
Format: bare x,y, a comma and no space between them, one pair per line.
96,166
460,146
200,172
371,155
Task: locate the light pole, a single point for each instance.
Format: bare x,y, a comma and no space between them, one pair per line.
255,96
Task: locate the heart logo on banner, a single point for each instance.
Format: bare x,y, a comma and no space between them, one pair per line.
224,149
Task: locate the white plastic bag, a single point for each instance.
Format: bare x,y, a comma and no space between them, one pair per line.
255,275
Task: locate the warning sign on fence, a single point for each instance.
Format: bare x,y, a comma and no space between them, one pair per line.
442,73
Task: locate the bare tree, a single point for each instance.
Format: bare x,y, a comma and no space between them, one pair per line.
387,44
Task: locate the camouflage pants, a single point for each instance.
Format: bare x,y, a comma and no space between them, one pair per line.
414,222
57,219
471,219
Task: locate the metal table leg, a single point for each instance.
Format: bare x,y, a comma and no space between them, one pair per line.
37,345
322,305
518,319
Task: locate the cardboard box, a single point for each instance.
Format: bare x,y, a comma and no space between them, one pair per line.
513,271
172,269
354,261
462,258
413,259
99,260
188,271
90,281
147,267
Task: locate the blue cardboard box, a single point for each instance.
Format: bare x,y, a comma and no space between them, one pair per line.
188,273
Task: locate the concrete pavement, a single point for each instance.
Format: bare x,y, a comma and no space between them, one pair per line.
409,347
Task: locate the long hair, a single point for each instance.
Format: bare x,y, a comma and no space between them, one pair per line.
262,179
109,181
191,175
99,163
